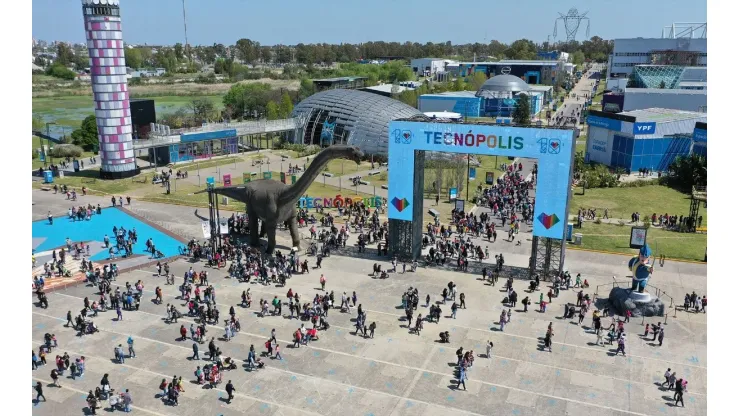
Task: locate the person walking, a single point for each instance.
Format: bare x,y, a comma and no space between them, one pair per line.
195,356
277,352
461,378
667,381
55,378
660,337
131,352
462,301
127,401
230,391
119,314
489,347
322,280
678,395
454,310
39,391
600,336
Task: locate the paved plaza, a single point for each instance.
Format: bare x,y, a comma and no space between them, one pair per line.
395,373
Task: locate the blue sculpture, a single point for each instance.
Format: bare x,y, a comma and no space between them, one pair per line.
641,269
327,133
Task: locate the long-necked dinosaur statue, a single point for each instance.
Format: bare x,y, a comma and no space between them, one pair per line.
275,202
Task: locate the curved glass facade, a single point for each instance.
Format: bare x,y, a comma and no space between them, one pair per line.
351,117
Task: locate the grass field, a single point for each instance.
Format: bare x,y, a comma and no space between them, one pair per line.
487,164
646,200
185,194
341,167
69,111
615,238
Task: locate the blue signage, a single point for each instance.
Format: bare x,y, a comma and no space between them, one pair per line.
643,128
210,182
606,123
700,135
471,174
552,148
209,135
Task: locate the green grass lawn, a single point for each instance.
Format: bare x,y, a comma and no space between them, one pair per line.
341,167
610,237
581,147
646,200
91,180
185,194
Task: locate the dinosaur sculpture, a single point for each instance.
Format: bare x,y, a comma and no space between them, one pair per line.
274,202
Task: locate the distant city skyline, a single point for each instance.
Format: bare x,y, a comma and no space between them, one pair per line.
160,22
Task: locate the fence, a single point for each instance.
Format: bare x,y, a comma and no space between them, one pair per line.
659,293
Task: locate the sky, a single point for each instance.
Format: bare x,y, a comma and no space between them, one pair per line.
289,22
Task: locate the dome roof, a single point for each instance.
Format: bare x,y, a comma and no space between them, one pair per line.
502,84
363,115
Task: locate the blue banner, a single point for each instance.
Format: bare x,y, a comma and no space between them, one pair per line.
606,123
551,147
643,128
209,135
700,135
471,174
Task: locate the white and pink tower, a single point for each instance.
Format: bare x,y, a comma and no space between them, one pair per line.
110,89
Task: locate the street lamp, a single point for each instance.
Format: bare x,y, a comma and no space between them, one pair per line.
47,138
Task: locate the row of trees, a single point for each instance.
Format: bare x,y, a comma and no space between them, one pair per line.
252,52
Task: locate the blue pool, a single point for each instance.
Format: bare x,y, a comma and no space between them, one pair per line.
49,237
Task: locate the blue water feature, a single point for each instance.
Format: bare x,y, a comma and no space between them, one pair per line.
54,235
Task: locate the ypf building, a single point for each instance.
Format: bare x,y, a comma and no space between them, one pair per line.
110,90
651,138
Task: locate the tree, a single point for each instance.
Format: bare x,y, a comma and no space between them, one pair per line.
203,110
522,49
65,55
689,171
87,135
266,54
249,100
247,50
477,80
578,58
39,61
459,84
272,111
133,57
286,106
522,115
178,51
662,85
306,89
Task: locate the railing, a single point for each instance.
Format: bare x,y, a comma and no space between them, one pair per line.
242,128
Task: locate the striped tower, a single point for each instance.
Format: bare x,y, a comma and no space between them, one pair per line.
110,90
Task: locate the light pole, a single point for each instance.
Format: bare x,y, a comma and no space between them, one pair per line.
47,139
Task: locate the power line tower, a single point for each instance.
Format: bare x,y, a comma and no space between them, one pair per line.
572,22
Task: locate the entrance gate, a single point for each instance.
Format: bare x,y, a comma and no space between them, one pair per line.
552,148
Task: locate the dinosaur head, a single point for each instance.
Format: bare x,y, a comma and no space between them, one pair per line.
354,153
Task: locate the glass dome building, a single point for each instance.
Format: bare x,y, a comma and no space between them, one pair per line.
351,117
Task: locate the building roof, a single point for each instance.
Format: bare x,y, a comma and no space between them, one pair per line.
663,115
528,62
338,79
466,94
692,84
387,88
502,84
365,115
666,91
540,87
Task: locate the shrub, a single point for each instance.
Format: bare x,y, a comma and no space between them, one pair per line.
66,150
60,71
35,154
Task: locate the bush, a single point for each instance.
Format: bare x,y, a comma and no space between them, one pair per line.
60,71
640,183
35,154
66,150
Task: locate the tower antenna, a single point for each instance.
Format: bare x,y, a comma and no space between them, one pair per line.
572,22
185,23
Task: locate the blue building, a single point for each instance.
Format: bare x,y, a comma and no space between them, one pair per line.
700,139
650,138
497,97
